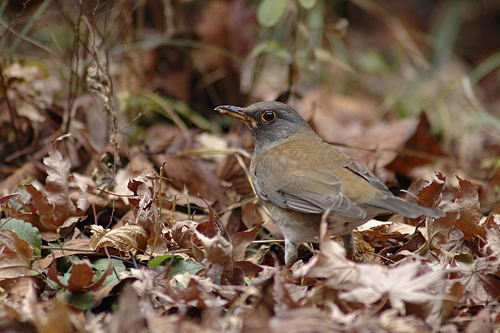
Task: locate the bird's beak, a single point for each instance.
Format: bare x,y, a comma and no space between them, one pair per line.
235,112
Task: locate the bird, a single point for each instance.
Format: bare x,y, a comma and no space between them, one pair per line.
300,178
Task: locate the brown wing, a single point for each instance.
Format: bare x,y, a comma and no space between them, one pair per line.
310,187
358,168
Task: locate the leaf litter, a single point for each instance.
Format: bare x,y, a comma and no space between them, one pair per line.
419,275
171,238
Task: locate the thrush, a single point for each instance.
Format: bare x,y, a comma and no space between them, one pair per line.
299,177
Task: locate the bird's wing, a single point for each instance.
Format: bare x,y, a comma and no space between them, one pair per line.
361,170
287,183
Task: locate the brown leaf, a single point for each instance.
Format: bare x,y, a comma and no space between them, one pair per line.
215,250
235,178
421,144
468,202
27,171
143,188
126,239
241,240
330,263
81,276
160,136
248,268
482,322
429,195
400,284
128,316
305,319
493,238
215,247
452,298
182,232
195,175
356,122
286,295
41,208
71,247
54,317
52,208
463,213
15,256
481,280
57,183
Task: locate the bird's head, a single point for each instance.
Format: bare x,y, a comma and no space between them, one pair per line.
269,122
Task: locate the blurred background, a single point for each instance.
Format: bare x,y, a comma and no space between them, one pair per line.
406,86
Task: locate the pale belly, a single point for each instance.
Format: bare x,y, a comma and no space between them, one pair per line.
300,227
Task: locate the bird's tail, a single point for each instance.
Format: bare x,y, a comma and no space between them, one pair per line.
405,208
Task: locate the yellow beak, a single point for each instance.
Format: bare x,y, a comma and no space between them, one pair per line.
235,112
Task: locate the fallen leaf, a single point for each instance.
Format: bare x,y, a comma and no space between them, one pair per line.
193,174
331,264
400,284
128,239
217,251
482,322
241,240
128,316
52,208
81,276
59,318
15,256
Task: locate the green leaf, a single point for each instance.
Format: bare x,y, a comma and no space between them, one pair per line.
307,4
185,266
269,12
179,265
82,300
26,231
160,260
101,265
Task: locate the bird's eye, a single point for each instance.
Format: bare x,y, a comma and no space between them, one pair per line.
268,116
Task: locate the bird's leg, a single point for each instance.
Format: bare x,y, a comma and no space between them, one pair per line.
350,247
290,252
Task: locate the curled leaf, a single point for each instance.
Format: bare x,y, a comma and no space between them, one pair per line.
126,239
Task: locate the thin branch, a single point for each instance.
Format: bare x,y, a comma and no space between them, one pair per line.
29,40
10,107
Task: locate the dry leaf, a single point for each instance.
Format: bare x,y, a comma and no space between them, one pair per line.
55,317
400,284
15,256
241,240
330,263
126,239
193,174
217,252
81,276
52,208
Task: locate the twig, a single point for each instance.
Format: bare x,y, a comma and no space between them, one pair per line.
73,78
228,151
268,241
29,40
10,107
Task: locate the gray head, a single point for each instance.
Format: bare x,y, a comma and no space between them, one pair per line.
269,122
